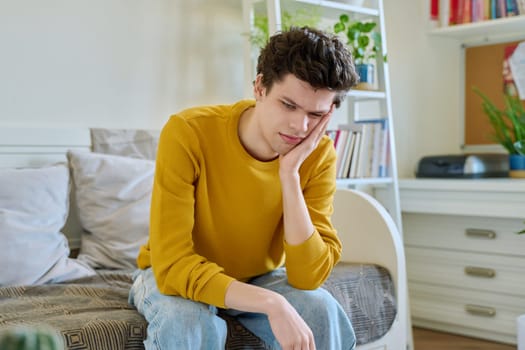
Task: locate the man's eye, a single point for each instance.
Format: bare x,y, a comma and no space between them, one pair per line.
288,106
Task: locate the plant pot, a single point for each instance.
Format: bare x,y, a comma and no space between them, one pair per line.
366,76
517,166
520,325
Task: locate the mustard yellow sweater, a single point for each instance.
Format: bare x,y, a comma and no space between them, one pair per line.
216,212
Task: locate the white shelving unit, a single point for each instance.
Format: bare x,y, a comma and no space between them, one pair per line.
359,103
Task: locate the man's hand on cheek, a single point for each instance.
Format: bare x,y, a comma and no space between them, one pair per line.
291,161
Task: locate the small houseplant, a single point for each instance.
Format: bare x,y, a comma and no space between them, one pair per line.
365,44
30,338
260,33
508,125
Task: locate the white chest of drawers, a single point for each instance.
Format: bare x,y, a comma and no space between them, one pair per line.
465,263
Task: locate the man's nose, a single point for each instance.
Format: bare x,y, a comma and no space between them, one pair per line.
299,121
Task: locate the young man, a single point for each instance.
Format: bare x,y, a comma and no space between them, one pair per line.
241,206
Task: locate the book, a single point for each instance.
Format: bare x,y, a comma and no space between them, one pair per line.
493,9
486,10
467,12
377,146
345,171
511,8
365,154
477,10
383,160
501,8
347,147
460,11
434,13
521,7
349,156
340,149
356,152
453,12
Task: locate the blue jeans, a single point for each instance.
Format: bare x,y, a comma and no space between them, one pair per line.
178,323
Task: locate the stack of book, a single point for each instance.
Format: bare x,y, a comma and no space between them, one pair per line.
469,11
362,149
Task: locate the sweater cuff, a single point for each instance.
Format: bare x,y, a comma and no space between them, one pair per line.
215,291
310,249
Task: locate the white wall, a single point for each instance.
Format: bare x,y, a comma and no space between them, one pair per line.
426,84
115,63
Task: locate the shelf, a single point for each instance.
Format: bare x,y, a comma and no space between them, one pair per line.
344,183
508,27
366,94
498,197
342,6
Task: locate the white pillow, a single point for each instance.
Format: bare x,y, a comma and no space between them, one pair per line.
33,208
113,195
135,143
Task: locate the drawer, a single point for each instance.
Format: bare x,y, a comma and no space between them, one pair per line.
484,272
482,314
464,233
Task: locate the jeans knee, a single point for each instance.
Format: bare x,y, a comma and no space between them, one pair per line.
186,325
317,303
327,319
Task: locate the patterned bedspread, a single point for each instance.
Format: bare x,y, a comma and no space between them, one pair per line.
93,313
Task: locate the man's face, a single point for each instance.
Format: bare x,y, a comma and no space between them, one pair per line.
288,112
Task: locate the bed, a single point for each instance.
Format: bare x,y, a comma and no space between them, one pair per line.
98,182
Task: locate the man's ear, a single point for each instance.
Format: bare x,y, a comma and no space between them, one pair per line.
258,87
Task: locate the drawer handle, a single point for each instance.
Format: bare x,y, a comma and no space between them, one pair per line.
480,310
480,271
478,233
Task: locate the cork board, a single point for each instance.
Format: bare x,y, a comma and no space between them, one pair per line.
483,69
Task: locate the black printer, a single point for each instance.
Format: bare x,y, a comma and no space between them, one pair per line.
464,166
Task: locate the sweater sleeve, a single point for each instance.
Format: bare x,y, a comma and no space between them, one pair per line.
178,269
310,263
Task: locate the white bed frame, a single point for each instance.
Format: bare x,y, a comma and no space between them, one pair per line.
369,235
367,231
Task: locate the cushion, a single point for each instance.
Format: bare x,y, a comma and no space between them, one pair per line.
33,208
113,196
125,142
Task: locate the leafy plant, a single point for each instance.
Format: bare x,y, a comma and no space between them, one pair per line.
26,338
508,124
301,18
363,41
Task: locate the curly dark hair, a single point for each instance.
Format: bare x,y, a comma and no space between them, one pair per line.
311,55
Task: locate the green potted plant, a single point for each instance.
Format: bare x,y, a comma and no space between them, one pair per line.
305,17
508,125
30,338
364,42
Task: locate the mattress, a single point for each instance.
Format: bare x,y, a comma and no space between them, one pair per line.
93,312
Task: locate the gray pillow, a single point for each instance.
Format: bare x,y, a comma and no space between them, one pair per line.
113,197
34,205
136,143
